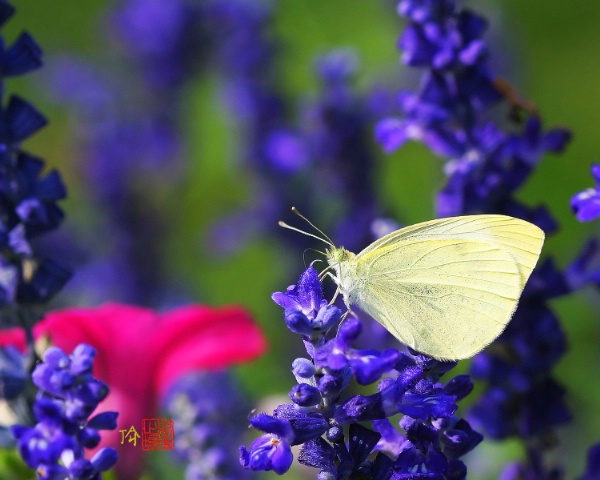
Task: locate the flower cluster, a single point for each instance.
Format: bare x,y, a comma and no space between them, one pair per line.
28,210
68,395
27,196
208,411
449,113
486,163
328,422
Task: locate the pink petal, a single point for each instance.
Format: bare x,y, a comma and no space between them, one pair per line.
13,336
116,331
196,337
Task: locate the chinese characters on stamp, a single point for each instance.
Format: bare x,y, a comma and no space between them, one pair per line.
157,434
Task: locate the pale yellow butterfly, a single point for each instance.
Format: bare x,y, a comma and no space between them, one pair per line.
447,287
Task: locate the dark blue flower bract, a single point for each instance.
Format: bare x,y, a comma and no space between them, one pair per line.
28,197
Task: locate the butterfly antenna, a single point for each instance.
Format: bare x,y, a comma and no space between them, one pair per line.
289,227
324,238
313,250
295,210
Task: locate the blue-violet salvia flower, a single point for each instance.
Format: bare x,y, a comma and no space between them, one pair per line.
327,421
68,394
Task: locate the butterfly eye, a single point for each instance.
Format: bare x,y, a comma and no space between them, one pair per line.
341,255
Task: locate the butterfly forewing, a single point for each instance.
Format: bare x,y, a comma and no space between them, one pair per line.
520,239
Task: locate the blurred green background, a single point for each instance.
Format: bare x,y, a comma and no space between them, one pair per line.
550,51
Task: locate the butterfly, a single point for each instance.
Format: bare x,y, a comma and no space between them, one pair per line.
447,287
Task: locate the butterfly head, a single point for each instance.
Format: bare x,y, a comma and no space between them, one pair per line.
338,255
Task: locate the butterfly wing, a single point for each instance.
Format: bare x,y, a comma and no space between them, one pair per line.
447,287
520,239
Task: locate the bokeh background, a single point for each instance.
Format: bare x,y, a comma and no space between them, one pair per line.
550,51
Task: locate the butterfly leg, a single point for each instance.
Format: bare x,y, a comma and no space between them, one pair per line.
335,280
336,294
344,316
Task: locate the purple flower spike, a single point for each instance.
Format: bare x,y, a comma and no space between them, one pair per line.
68,395
485,164
321,405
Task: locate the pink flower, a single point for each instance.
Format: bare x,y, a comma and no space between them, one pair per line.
141,352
